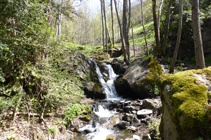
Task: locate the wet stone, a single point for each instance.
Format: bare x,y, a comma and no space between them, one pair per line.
143,113
123,124
132,128
128,117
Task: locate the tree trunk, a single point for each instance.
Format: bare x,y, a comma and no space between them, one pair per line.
199,53
159,14
128,29
121,34
157,34
142,16
167,28
102,25
133,40
112,22
106,31
125,30
178,38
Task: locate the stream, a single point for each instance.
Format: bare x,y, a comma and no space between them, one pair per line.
106,122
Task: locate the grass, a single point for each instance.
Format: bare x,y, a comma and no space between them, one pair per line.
139,39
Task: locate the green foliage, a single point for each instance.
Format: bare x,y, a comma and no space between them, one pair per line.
51,131
74,110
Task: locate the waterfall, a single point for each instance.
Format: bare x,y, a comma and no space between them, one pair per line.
108,86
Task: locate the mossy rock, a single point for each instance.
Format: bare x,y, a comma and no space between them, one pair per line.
189,99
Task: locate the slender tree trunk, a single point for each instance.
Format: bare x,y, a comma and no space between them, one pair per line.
159,14
112,22
105,25
178,38
120,30
142,16
167,28
157,34
133,40
102,25
199,53
125,30
128,29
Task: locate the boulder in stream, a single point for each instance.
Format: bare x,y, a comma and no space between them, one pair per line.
139,79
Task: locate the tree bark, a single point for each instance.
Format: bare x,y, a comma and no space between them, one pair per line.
102,25
133,40
105,25
178,38
167,28
157,34
120,30
128,29
199,53
142,16
112,22
125,30
159,14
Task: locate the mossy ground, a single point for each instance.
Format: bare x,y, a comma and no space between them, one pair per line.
189,97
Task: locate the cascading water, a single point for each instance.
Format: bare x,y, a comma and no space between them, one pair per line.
108,87
97,129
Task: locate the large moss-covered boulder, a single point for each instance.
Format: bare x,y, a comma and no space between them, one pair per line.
139,79
186,111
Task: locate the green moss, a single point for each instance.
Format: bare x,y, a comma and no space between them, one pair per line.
190,99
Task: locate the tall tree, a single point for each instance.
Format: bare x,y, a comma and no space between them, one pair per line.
157,34
106,31
101,2
159,15
167,28
112,22
178,38
128,29
124,29
142,19
120,30
199,53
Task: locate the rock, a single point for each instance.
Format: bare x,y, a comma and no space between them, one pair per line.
128,117
110,137
185,108
138,79
118,67
132,129
148,104
143,113
146,137
115,119
93,90
136,137
85,118
128,109
123,124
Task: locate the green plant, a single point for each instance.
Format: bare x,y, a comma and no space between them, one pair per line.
74,110
51,131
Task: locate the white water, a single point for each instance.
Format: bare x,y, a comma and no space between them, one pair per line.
104,113
99,131
108,86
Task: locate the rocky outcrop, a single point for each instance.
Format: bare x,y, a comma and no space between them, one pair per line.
186,107
138,80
